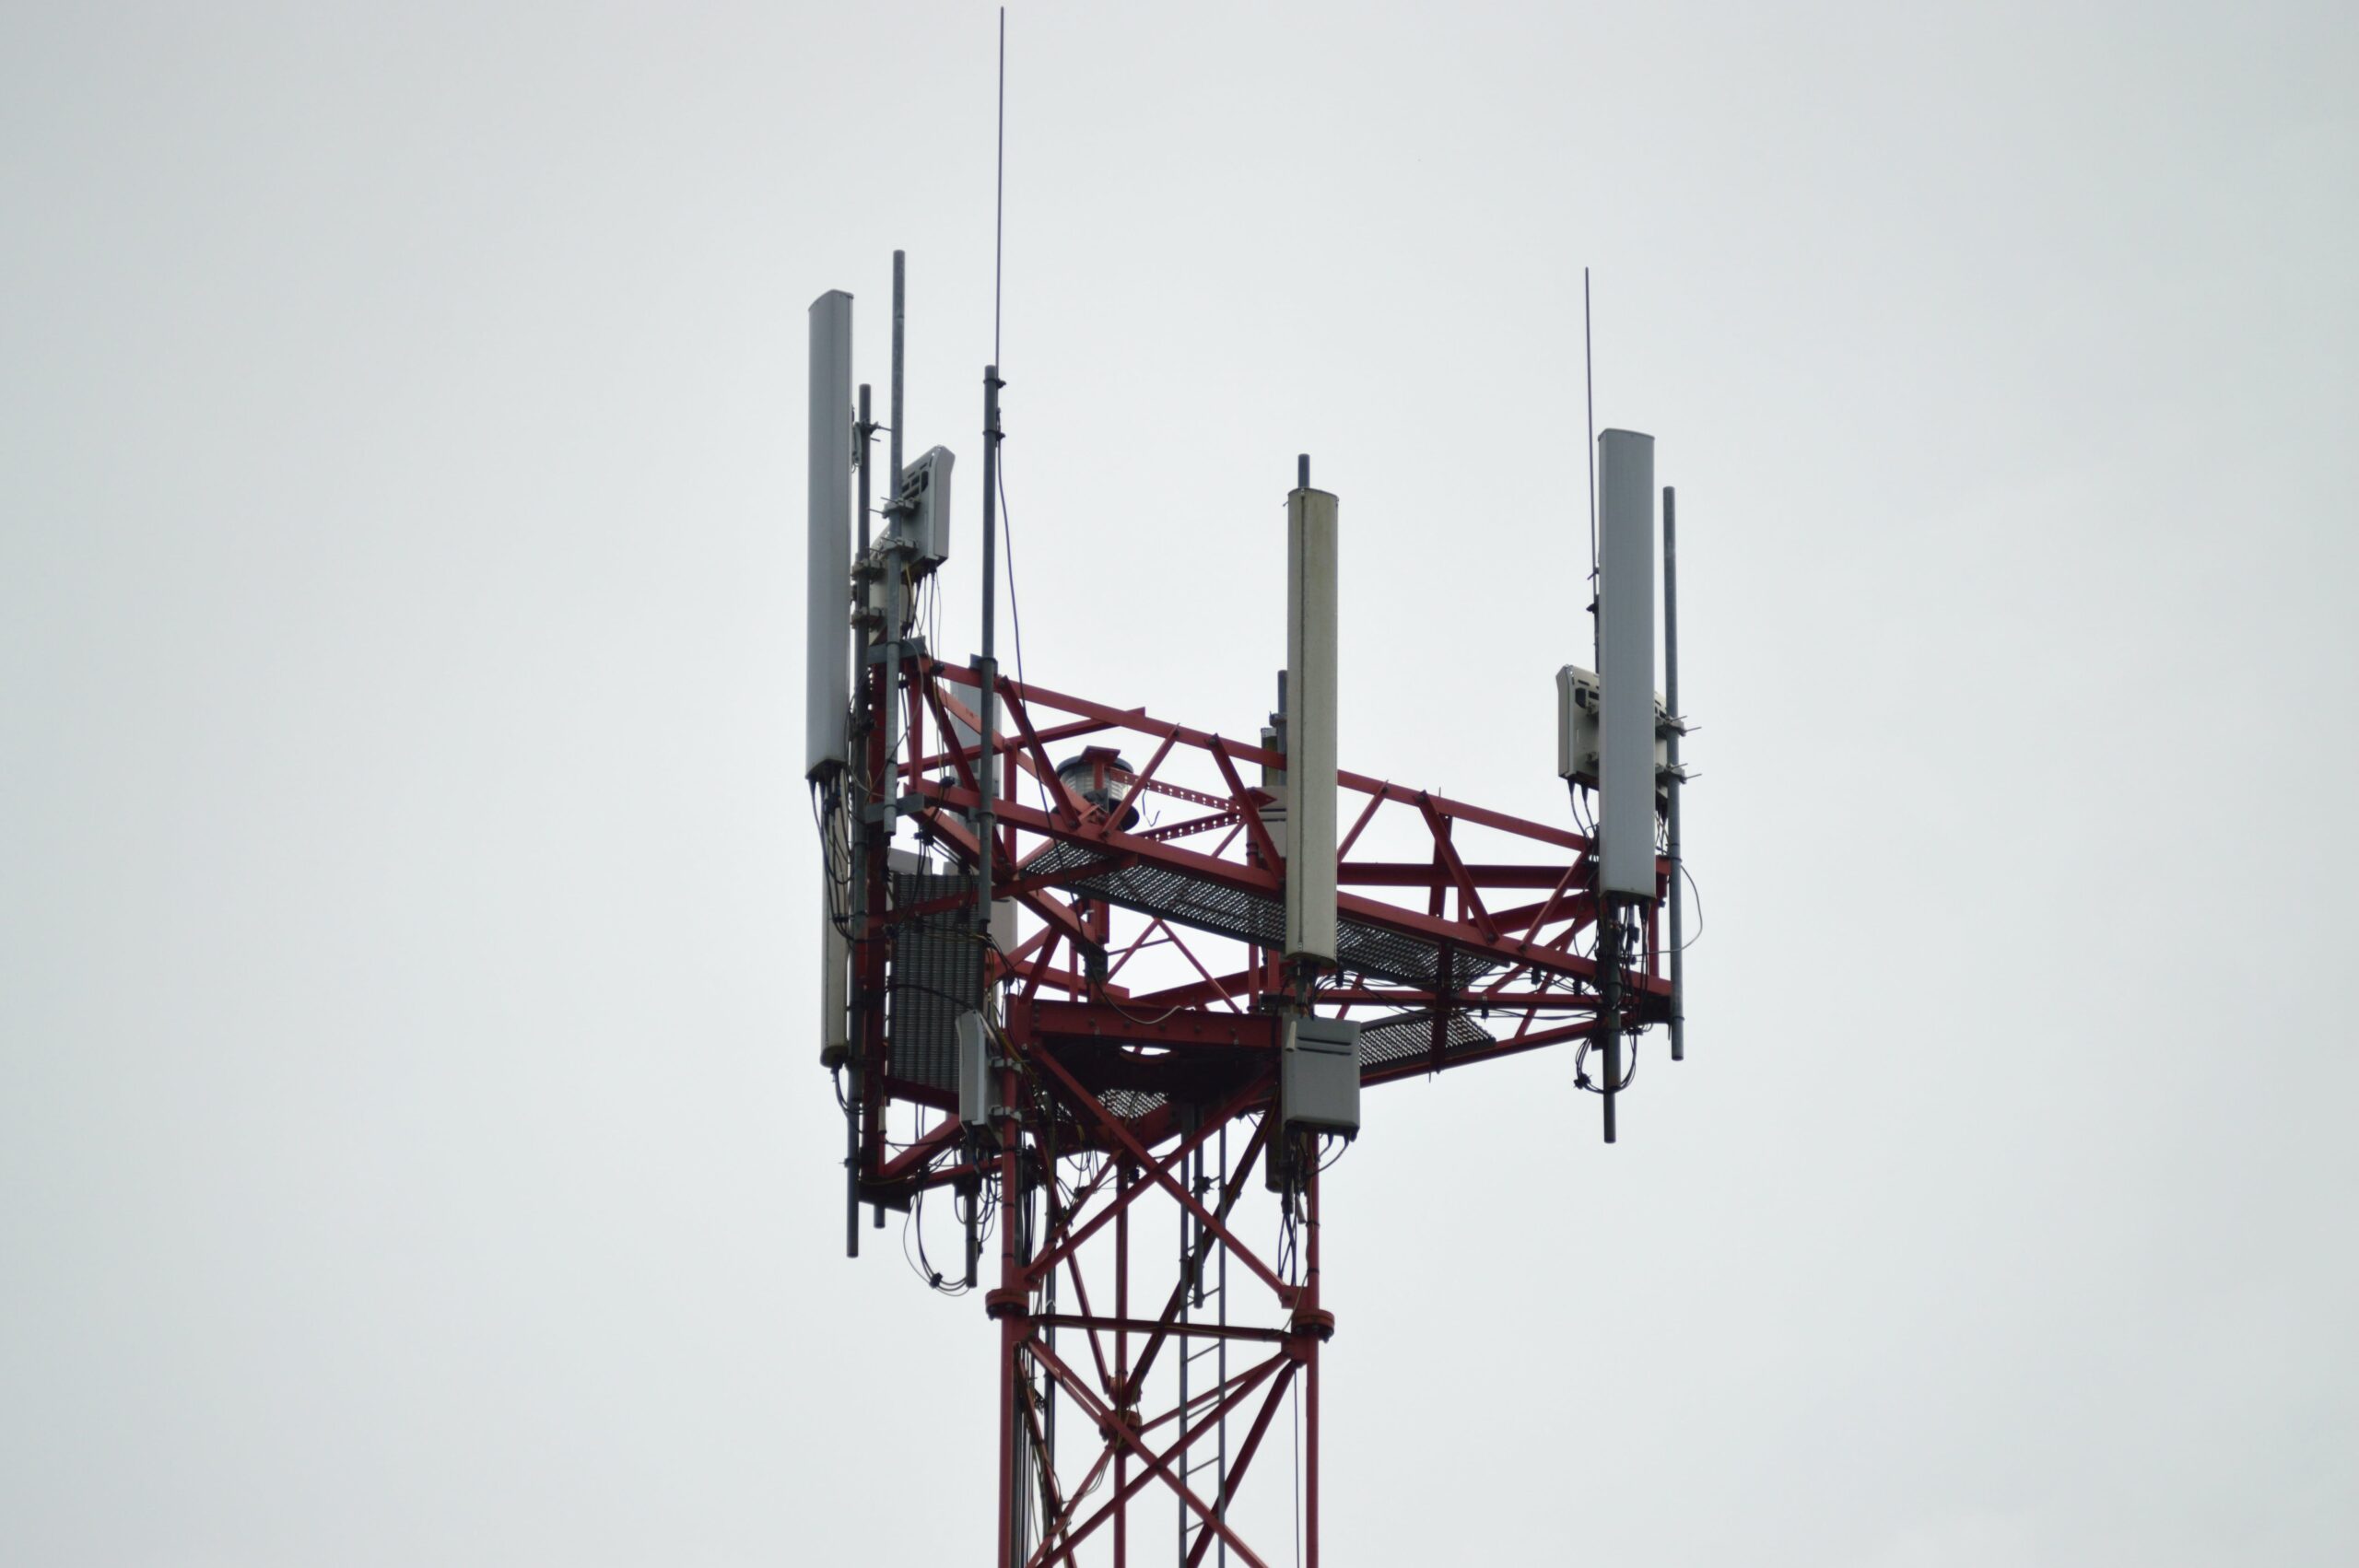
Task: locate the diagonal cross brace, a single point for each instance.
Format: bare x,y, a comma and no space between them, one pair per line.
1118,1434
1160,1172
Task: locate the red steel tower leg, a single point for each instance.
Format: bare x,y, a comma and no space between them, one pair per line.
1011,1328
1122,1362
1143,1439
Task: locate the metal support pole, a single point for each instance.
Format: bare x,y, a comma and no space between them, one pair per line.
1123,1402
861,433
1310,1379
1220,1369
1050,1206
975,1229
1192,1299
889,708
851,1084
851,1162
888,784
869,1043
1009,1330
873,838
867,434
987,667
988,689
987,670
1013,1323
1671,700
1609,999
856,847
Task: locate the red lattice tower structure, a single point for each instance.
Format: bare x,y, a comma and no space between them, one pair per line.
1096,1005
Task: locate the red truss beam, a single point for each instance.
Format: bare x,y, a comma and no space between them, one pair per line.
1140,1070
943,780
1533,943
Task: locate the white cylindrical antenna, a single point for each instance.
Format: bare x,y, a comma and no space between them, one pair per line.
1625,664
900,283
1311,550
826,693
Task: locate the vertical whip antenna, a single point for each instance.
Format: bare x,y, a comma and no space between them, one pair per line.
1589,379
999,190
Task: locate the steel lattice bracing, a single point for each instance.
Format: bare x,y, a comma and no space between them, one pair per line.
1136,1032
1136,1437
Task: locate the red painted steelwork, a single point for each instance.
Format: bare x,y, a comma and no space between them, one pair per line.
1125,1086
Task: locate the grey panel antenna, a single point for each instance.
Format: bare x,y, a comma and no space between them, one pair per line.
1626,466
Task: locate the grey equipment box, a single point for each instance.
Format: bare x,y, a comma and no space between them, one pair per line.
925,510
1318,1075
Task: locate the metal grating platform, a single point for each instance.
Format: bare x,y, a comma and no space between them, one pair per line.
1403,1037
1360,948
1132,1104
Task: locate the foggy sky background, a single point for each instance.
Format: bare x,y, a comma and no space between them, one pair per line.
412,1145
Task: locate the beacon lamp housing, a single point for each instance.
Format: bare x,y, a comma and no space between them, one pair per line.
1100,777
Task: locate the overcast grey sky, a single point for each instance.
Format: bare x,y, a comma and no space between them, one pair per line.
412,1146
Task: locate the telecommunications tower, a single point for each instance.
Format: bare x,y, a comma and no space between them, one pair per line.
1110,987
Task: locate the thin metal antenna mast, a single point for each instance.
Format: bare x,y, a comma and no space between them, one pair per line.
1016,1447
987,666
885,784
865,433
1588,378
992,383
1609,932
999,194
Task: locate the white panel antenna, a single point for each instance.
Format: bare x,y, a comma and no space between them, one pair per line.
1625,660
826,692
1310,725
